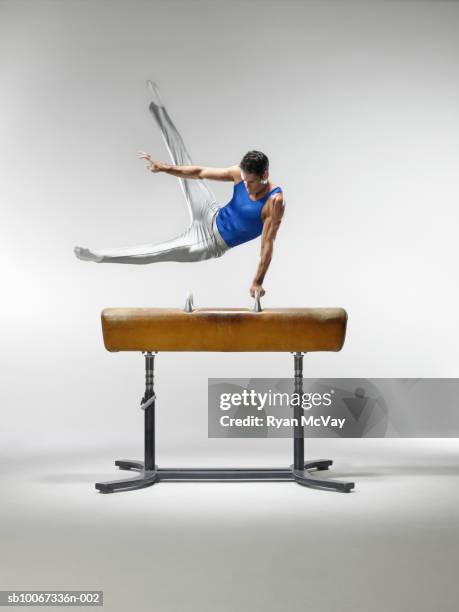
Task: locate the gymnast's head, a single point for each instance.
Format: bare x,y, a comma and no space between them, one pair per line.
254,171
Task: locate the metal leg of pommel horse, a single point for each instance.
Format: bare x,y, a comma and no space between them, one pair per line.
147,468
149,472
300,469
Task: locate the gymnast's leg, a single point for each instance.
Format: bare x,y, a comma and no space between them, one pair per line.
197,243
197,194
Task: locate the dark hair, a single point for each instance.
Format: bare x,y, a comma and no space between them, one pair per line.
254,162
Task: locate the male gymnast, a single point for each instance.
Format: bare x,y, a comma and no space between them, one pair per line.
256,208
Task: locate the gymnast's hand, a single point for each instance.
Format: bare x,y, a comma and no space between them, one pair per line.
256,287
153,165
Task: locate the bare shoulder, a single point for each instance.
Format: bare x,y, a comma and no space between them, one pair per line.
274,208
278,198
277,204
235,172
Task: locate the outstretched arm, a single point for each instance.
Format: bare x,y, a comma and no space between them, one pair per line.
232,173
270,227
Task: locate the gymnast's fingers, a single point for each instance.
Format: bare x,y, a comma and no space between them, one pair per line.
257,289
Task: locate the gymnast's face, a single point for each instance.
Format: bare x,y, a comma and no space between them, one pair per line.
254,183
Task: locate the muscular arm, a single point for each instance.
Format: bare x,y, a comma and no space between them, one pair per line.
270,228
203,172
232,173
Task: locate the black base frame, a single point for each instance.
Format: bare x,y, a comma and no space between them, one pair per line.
149,473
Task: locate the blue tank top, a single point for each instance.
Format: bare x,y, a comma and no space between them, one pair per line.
240,220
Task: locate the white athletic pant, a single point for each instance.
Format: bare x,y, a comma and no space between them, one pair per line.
201,240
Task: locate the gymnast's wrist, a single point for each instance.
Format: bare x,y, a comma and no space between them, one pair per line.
165,167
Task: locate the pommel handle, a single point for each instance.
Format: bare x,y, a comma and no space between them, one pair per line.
257,304
189,306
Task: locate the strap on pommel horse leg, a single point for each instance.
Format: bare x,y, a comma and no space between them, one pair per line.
149,473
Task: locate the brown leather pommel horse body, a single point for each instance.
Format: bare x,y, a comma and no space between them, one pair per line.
292,330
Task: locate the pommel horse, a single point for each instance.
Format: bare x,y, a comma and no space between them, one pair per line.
151,330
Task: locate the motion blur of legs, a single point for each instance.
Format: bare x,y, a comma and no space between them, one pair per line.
201,240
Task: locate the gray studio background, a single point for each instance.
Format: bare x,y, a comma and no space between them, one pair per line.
356,104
